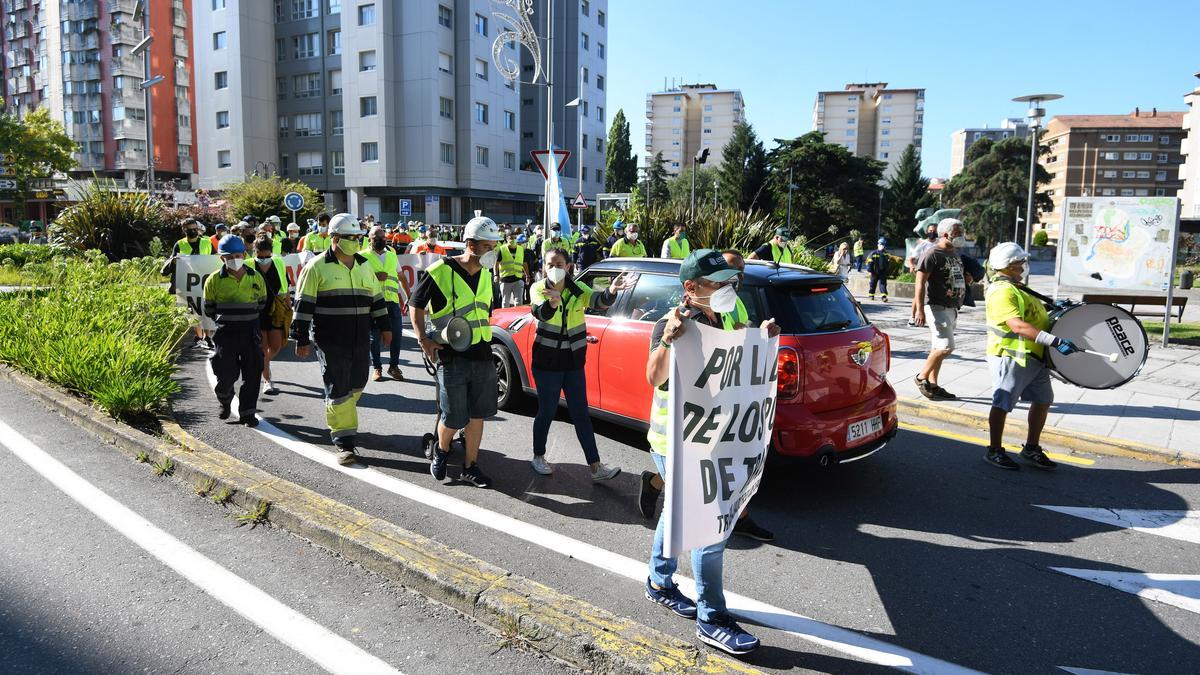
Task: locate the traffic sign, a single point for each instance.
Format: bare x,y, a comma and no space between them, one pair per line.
580,202
293,201
539,158
406,207
8,184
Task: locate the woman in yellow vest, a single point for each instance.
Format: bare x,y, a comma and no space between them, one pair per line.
274,322
677,247
557,303
386,265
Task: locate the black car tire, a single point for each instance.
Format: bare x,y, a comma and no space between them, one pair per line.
508,383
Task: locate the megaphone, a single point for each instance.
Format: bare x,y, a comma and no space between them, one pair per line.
456,335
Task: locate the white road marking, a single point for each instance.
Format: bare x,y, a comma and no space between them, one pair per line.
322,647
1181,525
833,637
1179,590
1089,671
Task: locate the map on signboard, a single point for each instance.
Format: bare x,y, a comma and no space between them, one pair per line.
1117,243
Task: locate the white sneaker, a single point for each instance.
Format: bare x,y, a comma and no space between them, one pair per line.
541,466
271,388
605,472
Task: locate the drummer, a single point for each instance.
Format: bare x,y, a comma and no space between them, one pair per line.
1016,354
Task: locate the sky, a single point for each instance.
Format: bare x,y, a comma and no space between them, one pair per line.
971,57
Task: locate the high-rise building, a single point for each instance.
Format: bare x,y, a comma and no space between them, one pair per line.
1189,171
965,138
75,57
871,120
1134,155
682,121
372,103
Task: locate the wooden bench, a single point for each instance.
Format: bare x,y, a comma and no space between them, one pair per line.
1146,300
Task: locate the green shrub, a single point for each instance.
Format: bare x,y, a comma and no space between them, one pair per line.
907,277
106,218
18,255
1041,238
263,197
100,330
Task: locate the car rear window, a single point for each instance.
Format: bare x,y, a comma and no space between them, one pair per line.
806,309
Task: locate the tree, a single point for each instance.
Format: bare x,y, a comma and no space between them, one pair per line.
680,187
834,188
262,196
992,185
35,147
620,166
657,180
743,172
906,192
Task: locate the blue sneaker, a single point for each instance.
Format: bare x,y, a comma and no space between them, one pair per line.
437,467
724,634
672,599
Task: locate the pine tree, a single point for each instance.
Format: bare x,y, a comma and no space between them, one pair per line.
993,185
906,192
834,188
743,173
657,179
620,172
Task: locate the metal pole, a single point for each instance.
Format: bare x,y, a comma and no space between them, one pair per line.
692,206
1017,225
149,104
789,208
879,217
716,187
1166,339
1033,146
579,141
549,99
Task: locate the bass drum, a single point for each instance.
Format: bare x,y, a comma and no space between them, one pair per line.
1101,328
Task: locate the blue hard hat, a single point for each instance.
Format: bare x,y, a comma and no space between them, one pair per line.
882,241
521,239
230,244
422,229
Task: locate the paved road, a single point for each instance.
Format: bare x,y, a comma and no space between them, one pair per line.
76,596
922,547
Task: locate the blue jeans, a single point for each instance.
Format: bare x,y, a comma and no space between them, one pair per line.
397,323
880,282
574,385
708,564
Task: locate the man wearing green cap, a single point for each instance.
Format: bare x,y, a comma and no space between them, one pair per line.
777,249
710,297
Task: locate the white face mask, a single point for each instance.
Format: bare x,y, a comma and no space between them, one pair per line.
724,300
555,235
489,259
556,275
234,264
632,236
263,262
959,242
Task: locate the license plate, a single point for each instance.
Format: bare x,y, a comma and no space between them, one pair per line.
864,429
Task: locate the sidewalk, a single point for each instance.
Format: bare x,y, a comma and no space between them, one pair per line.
1160,407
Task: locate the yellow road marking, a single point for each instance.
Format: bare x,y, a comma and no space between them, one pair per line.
982,442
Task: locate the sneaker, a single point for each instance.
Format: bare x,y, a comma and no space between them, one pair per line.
271,388
927,390
746,527
541,466
250,420
378,375
346,455
943,395
672,599
999,458
724,634
437,467
472,474
395,374
197,343
648,496
605,472
209,343
225,412
885,298
871,297
1037,457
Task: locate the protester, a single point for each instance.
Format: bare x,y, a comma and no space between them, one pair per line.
677,247
559,353
320,240
429,242
386,266
860,246
842,261
273,225
339,297
588,249
1017,339
709,298
629,246
879,263
36,236
402,239
220,231
190,244
291,244
555,240
920,248
618,233
940,287
512,272
235,298
776,250
277,317
461,287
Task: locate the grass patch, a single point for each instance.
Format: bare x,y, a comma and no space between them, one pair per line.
205,486
1181,333
514,635
259,515
164,467
223,495
143,458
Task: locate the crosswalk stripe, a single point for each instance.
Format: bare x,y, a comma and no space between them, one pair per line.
1178,590
1181,525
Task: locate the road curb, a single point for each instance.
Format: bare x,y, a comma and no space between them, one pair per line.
1075,441
556,624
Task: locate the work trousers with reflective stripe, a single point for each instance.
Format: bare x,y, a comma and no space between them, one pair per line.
344,370
238,353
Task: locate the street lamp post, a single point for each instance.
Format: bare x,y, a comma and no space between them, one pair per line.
141,12
1035,114
791,186
700,158
879,216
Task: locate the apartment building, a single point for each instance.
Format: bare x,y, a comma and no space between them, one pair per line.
871,120
1189,171
682,121
372,103
1134,155
75,57
964,138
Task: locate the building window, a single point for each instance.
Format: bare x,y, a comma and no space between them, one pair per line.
1131,138
1147,156
446,16
1126,192
283,165
219,40
1146,138
1160,175
885,144
884,155
601,18
337,159
303,9
887,97
445,63
481,155
481,69
447,153
366,61
307,85
446,107
1164,140
585,7
1160,192
368,106
218,4
222,119
1109,173
1111,155
308,124
224,159
221,79
1162,157
335,82
370,152
366,17
304,46
334,39
1141,192
1128,174
284,125
599,175
852,132
600,50
600,144
280,49
854,120
1143,174
481,112
510,161
1112,138
1108,192
886,120
708,131
309,163
481,25
510,120
1131,156
335,7
599,114
336,125
885,132
584,41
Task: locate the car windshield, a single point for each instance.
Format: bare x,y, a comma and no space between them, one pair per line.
806,309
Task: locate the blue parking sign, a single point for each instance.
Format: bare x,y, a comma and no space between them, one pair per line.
406,207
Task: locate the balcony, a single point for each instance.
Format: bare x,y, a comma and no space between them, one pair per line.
130,159
123,33
125,6
181,47
128,128
80,11
129,66
185,135
83,71
185,164
180,18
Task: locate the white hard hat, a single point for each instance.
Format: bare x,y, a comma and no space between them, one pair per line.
1005,254
293,227
273,220
947,225
344,224
481,228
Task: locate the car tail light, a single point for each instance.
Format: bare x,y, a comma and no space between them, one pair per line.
789,373
887,348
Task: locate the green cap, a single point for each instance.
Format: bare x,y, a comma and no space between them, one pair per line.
707,263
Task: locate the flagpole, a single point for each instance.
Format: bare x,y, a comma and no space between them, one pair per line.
549,106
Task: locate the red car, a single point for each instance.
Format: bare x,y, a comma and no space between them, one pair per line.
834,404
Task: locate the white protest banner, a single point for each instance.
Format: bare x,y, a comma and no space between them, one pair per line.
411,264
192,270
723,386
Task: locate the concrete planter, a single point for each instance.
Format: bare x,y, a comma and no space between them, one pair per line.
860,284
